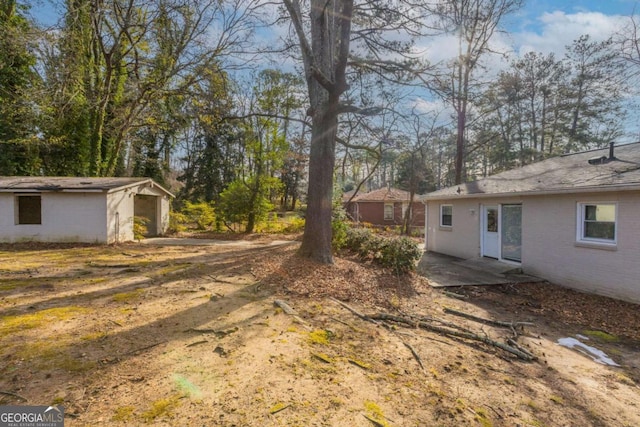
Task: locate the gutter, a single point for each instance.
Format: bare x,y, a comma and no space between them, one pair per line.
570,190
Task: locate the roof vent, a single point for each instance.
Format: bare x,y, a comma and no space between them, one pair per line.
598,160
611,156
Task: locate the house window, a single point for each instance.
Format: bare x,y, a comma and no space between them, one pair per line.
597,222
28,210
446,215
388,211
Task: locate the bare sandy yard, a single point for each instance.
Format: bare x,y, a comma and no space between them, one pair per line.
190,336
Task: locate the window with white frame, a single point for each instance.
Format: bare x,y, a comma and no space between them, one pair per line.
597,222
446,215
388,211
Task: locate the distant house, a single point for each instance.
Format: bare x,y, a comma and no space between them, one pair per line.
101,210
573,220
386,206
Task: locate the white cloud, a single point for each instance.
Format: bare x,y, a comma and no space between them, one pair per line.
559,29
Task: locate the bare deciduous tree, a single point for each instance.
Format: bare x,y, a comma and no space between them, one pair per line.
474,22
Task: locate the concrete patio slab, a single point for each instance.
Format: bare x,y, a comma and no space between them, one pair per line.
449,271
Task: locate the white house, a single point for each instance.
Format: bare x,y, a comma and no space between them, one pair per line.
573,220
100,210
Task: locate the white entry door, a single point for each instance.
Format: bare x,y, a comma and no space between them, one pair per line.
490,236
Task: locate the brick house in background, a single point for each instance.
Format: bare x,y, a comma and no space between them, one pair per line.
384,207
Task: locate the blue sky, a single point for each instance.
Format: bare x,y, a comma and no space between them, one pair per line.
548,25
608,7
45,10
537,18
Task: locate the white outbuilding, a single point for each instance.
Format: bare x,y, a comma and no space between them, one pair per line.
94,210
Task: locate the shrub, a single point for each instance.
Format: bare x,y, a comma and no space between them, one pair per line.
177,222
399,253
359,240
272,224
339,227
237,201
201,214
338,234
295,225
140,227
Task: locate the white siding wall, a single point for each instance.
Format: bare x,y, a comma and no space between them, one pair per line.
81,217
66,217
121,212
463,239
120,216
549,248
165,208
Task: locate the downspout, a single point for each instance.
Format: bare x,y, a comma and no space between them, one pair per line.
117,227
426,223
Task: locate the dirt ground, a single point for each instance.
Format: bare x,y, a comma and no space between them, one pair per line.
189,336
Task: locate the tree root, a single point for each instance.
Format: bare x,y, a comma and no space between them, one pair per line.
445,328
458,332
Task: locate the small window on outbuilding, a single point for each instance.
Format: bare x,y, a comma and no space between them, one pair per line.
446,215
597,222
388,211
28,209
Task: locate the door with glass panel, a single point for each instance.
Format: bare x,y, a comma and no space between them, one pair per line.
511,234
490,237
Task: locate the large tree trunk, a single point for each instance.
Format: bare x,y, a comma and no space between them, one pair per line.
316,241
324,57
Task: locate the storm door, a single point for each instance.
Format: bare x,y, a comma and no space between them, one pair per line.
511,234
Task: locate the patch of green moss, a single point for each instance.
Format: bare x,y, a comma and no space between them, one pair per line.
374,412
323,357
160,408
625,379
482,417
170,269
360,363
280,406
319,336
124,413
460,406
53,355
556,399
127,296
93,336
601,335
22,322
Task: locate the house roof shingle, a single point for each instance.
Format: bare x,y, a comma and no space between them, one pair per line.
562,174
384,194
10,184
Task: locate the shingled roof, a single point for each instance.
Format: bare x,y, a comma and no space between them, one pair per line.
562,174
384,194
11,184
